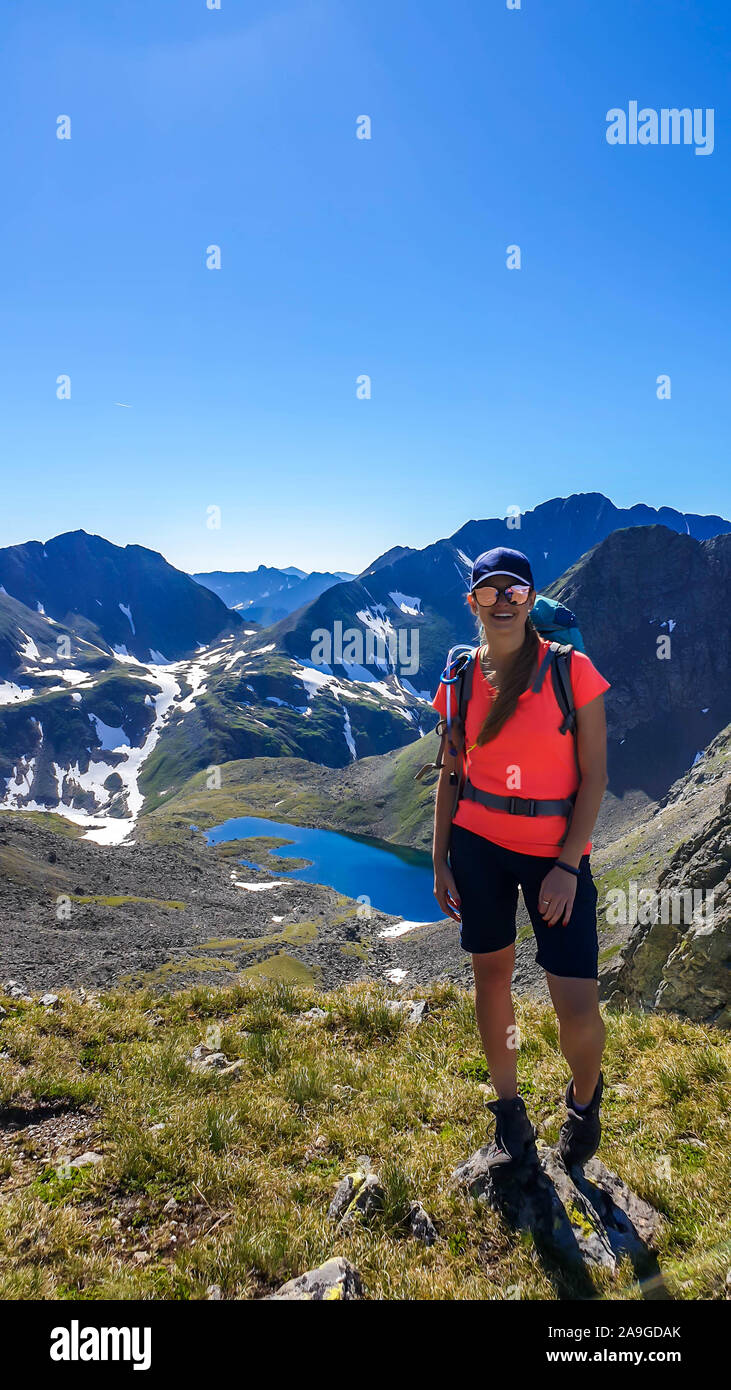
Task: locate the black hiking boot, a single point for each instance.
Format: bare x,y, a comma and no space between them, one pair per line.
515,1137
581,1132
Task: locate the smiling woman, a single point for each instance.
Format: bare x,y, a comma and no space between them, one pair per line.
517,738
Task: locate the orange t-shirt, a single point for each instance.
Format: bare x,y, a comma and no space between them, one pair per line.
528,758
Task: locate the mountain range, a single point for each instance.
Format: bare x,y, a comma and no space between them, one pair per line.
127,597
121,677
284,590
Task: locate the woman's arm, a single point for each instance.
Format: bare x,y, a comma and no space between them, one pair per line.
443,879
591,751
558,889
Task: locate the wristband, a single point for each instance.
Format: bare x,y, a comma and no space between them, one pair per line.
568,867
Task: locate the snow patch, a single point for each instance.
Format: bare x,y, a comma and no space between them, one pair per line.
128,614
407,603
109,738
29,651
11,694
418,694
194,674
401,928
349,735
260,887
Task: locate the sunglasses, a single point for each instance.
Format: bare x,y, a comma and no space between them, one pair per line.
487,594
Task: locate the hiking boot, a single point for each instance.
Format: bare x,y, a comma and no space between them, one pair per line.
581,1132
515,1136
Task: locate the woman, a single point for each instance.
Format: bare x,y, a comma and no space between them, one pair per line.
513,747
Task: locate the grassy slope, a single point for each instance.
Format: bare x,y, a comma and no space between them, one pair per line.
252,1196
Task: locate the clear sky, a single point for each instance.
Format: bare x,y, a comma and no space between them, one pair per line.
339,257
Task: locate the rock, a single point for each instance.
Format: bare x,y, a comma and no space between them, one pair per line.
17,991
336,1279
367,1201
85,1159
421,1224
412,1009
344,1194
49,1001
418,1009
587,1218
234,1067
214,1293
683,966
3,1012
312,1016
203,1059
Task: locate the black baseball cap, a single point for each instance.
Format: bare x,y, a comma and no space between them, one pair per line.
501,560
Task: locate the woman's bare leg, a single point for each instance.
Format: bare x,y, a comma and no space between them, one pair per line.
581,1030
493,971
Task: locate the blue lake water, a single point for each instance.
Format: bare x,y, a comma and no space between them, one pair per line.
394,879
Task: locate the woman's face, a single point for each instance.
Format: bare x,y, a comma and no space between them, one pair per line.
501,616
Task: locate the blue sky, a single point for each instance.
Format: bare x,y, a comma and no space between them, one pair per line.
490,388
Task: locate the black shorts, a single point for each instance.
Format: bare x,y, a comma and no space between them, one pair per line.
487,878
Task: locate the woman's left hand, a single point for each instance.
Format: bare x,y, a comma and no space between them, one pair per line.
556,896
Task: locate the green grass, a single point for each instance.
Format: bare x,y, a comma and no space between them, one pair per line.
237,1152
49,820
398,809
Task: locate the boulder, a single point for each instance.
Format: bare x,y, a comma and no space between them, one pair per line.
346,1190
684,966
336,1279
366,1203
86,1159
421,1224
584,1218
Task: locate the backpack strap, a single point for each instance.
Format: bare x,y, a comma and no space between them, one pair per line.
464,689
457,676
561,676
562,689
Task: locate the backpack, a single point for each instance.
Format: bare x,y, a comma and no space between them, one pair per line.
551,619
